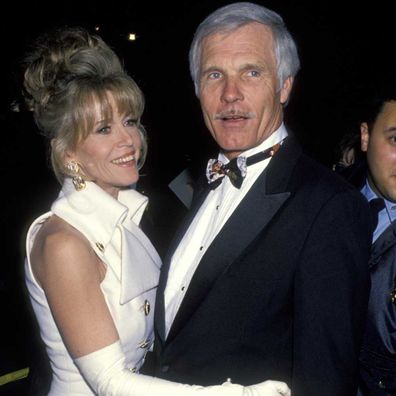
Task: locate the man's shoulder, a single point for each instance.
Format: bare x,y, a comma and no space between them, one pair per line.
306,171
311,174
325,196
355,174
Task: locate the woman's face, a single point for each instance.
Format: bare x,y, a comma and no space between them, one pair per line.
110,153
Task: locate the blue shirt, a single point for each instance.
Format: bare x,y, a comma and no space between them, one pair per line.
386,216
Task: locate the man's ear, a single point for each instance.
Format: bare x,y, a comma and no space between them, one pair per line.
364,136
286,89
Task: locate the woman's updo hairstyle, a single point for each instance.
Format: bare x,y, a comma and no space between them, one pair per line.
67,72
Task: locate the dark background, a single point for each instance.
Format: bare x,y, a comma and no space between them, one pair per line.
344,47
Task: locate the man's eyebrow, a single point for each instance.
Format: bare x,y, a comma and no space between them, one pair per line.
391,128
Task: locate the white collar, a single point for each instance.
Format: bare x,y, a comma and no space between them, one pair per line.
99,212
97,215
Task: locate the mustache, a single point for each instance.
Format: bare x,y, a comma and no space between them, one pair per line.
233,114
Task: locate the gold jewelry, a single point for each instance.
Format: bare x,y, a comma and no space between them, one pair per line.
74,168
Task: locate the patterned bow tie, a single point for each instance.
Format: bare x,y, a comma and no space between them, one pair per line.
236,168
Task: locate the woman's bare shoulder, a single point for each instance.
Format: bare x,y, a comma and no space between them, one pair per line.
60,247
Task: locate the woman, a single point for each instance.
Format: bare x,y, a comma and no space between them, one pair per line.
90,271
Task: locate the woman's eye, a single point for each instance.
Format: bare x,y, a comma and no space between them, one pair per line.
104,130
131,122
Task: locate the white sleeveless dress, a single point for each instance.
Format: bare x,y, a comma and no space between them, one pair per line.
129,285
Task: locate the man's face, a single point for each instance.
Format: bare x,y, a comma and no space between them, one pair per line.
239,94
380,145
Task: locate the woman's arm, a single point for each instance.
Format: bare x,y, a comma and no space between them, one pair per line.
105,371
70,274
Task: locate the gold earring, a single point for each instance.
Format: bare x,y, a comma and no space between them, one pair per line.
74,168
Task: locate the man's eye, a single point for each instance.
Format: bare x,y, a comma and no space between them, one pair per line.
254,73
214,75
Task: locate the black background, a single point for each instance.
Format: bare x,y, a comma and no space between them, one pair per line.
343,47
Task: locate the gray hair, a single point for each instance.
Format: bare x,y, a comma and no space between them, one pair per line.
231,17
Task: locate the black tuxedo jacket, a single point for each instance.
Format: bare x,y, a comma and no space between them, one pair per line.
282,291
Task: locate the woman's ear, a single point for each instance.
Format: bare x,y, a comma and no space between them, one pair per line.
68,156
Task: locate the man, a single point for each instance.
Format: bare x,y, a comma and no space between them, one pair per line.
375,177
267,278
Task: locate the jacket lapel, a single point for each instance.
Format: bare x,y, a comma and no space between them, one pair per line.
140,264
262,202
384,242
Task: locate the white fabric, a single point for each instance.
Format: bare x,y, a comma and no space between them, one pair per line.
131,276
105,372
209,220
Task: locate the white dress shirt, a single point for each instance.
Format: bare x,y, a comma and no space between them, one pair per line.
209,220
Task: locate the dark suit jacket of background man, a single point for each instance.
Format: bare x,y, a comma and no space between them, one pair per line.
282,291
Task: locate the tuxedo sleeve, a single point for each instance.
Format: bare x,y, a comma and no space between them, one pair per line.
331,295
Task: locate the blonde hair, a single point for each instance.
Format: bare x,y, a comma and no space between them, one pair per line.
67,73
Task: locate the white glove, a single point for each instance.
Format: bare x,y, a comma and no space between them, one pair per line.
106,373
268,388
